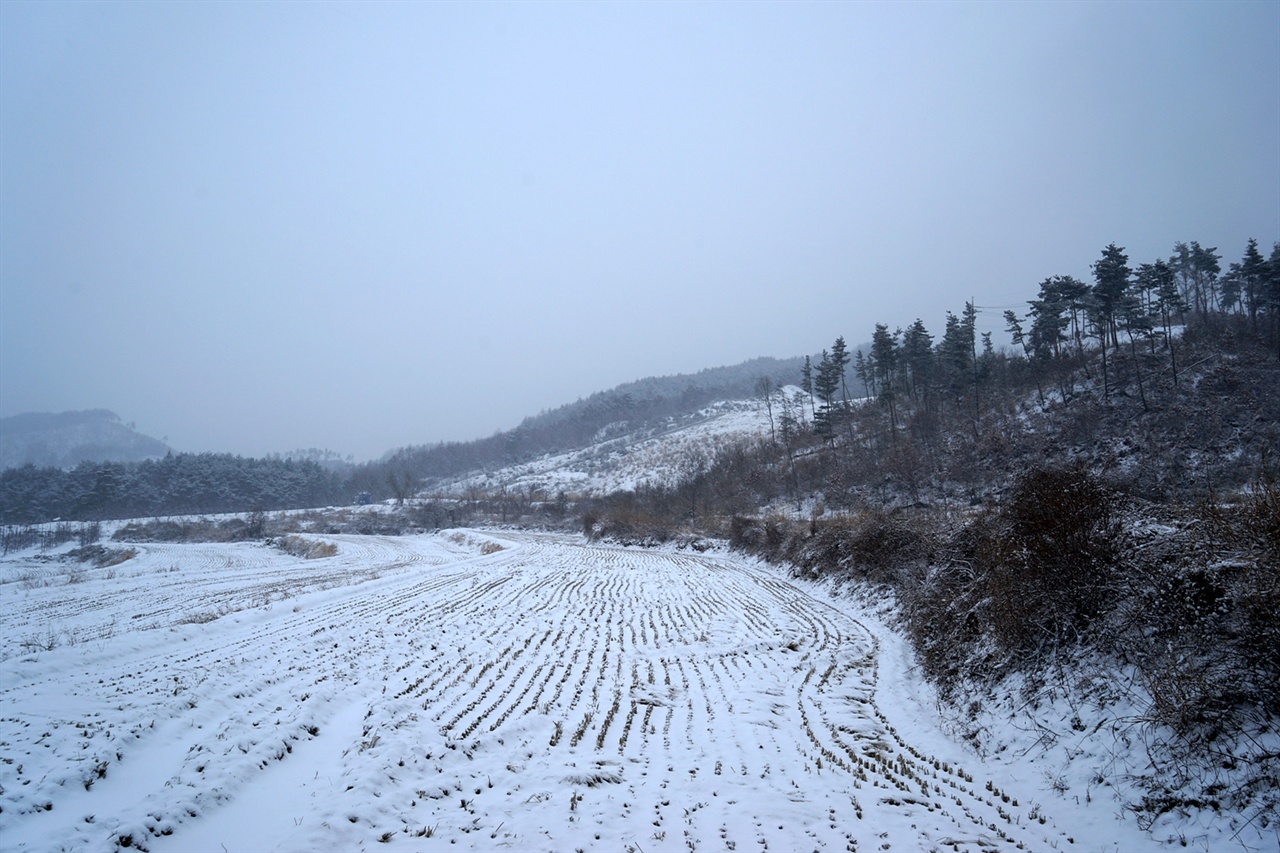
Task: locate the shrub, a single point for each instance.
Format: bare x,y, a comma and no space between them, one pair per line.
628,526
102,556
155,530
1242,542
308,549
946,619
1260,519
883,545
1050,558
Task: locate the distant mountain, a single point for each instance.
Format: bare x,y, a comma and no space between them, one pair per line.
66,439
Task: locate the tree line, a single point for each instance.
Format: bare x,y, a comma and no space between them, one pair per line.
1097,371
1119,334
178,484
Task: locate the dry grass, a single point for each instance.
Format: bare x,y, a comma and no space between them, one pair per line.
308,549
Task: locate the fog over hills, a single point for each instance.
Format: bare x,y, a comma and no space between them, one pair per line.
66,439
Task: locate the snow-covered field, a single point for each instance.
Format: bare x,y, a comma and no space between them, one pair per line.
471,690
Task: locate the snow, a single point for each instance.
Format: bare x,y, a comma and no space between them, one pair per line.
492,690
626,458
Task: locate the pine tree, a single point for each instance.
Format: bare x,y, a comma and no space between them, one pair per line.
825,385
1196,269
806,382
954,354
1253,274
1111,279
1230,290
839,360
1273,293
884,359
1134,319
969,326
1048,322
1013,325
917,354
862,370
1158,283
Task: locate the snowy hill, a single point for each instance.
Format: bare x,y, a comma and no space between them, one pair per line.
66,439
623,456
644,407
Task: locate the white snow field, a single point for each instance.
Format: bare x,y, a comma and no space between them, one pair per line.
468,690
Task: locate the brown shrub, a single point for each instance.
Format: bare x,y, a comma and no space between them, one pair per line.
1050,558
308,549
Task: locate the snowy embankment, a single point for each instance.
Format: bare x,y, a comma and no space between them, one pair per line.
444,692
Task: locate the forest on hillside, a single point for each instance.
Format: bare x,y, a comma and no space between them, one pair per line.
1160,376
177,484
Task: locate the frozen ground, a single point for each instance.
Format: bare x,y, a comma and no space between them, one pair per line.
487,691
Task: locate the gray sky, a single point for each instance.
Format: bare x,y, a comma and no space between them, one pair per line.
253,227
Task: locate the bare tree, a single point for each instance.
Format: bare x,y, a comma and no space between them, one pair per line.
402,485
765,389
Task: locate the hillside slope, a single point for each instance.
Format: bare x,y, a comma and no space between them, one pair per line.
625,456
646,405
66,439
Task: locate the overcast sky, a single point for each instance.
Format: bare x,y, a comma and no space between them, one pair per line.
255,227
